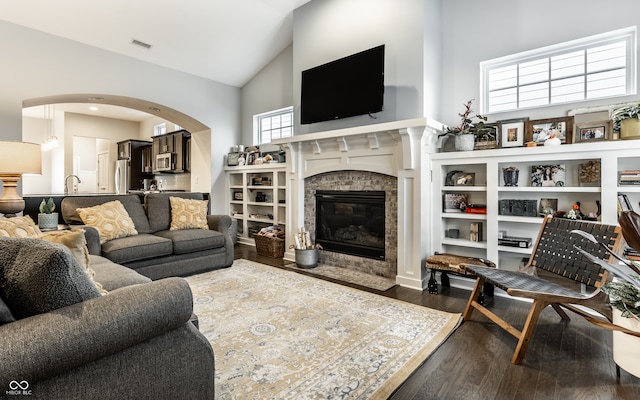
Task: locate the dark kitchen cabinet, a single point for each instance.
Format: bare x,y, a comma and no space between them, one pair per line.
175,143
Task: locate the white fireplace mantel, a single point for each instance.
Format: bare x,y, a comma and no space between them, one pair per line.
400,149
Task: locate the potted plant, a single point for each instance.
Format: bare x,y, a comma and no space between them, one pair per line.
626,121
465,134
47,219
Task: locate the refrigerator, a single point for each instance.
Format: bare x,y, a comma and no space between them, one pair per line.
123,176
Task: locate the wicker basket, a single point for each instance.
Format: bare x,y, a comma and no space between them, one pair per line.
269,246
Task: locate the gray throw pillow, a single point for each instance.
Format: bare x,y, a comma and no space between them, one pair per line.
37,277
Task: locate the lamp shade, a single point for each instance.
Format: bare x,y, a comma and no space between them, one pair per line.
20,158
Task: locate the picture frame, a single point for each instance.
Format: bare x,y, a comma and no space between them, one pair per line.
548,175
464,179
594,131
512,132
232,159
454,202
539,130
548,206
238,196
490,139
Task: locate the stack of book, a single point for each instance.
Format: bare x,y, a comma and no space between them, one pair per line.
476,209
629,177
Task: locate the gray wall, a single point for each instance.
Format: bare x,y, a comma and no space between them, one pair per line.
330,29
37,65
475,31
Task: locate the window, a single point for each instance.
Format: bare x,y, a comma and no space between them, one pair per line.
160,129
272,125
585,69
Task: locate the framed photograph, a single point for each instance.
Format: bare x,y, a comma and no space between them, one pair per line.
542,129
464,179
548,206
548,175
512,132
490,139
455,202
593,131
237,196
232,159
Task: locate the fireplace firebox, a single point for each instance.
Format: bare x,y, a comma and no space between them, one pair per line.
351,222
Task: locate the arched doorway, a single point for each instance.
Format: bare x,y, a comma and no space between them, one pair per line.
61,162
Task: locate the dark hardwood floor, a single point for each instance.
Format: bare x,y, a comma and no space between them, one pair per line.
564,361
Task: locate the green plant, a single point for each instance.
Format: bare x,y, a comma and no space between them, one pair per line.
467,124
47,206
620,114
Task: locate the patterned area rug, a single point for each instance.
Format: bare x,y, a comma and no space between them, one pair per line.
346,275
278,334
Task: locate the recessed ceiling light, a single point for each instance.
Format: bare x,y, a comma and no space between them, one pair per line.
93,108
95,98
155,109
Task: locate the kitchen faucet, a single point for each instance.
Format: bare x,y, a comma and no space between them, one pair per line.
66,183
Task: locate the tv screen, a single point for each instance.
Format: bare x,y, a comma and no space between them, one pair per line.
347,87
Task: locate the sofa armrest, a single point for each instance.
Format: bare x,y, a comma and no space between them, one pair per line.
222,224
93,238
46,345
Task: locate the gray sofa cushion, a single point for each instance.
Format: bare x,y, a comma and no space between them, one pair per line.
37,277
138,247
113,276
190,240
159,208
131,203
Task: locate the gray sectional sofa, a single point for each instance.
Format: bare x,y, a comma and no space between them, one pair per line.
61,339
157,252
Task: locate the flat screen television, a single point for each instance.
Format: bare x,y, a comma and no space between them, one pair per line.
347,87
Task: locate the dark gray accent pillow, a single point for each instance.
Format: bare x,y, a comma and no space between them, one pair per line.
37,277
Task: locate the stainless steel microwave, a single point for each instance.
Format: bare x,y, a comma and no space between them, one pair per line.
166,162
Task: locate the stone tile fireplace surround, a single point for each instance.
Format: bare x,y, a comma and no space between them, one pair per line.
393,157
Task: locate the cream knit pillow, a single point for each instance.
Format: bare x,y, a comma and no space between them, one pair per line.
188,214
19,227
110,219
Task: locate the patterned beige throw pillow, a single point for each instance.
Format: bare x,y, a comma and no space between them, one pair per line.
76,242
188,214
110,219
19,227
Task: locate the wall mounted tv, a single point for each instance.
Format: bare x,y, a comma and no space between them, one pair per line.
347,87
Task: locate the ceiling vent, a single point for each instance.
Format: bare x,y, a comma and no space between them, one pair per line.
141,44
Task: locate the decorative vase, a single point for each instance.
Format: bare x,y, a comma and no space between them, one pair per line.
510,176
465,142
554,141
626,348
48,221
630,128
306,258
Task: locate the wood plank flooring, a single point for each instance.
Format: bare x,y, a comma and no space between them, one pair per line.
564,361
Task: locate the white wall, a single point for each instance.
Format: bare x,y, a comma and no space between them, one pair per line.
271,89
325,30
42,65
476,31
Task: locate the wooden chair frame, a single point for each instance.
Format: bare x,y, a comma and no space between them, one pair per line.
554,251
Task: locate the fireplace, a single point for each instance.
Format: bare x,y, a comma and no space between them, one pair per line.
351,222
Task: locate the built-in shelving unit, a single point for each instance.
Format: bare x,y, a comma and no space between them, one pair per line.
489,188
256,198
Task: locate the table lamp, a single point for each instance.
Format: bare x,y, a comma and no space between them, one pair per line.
16,158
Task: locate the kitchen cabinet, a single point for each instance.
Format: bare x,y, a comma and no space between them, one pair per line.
176,143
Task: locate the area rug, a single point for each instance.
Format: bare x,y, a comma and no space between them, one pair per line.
277,334
347,275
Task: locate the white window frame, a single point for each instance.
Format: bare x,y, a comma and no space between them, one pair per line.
258,121
628,35
160,129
